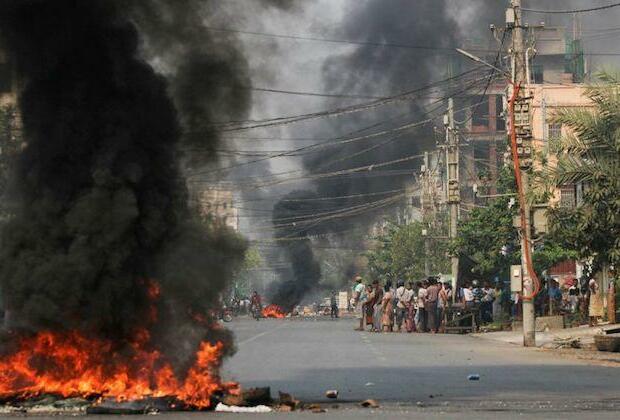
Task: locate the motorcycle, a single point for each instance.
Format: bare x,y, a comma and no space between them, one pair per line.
227,314
257,312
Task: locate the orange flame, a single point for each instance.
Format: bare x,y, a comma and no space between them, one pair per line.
70,364
273,311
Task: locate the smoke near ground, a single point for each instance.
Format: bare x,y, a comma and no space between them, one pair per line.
305,271
101,206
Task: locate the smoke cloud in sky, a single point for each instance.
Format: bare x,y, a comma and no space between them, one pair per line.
381,71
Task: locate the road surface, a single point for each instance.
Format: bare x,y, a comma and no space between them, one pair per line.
416,375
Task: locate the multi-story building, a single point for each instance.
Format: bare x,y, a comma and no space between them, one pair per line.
556,66
217,205
547,99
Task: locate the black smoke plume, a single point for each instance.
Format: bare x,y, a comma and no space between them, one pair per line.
102,207
305,270
378,72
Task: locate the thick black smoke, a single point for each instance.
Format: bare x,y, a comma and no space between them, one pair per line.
305,271
102,206
379,72
373,71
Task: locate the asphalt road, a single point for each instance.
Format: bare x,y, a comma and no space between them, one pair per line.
415,375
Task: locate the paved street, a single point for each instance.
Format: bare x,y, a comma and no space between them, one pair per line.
416,373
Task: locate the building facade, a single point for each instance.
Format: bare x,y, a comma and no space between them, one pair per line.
217,205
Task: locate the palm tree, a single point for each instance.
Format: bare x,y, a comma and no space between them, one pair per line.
590,154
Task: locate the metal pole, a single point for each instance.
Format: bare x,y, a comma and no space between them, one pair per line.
518,50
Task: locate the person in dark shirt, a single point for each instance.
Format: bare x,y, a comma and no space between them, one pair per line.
334,305
432,295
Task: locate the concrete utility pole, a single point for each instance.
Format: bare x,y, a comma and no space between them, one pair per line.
427,207
523,129
454,196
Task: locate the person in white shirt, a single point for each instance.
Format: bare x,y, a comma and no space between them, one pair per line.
421,313
358,300
468,296
403,301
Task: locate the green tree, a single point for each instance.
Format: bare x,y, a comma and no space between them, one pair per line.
246,273
400,253
489,240
487,236
590,154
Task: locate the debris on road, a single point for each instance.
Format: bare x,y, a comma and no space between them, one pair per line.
566,343
332,393
315,408
287,400
609,342
370,404
251,397
369,384
223,408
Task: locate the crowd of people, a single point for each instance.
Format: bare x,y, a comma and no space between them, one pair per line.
421,306
407,307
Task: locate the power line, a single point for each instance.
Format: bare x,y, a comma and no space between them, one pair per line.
592,9
316,94
449,50
331,143
271,122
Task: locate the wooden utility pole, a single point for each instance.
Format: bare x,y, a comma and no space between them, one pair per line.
454,196
522,126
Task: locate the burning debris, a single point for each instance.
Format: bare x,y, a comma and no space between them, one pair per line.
273,311
100,205
305,273
70,364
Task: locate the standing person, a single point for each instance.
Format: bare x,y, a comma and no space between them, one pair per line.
445,297
421,310
595,307
410,305
477,291
555,297
369,305
573,297
497,303
377,310
403,297
432,295
333,301
256,305
387,308
357,301
486,303
468,296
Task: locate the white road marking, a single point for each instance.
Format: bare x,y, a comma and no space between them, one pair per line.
247,340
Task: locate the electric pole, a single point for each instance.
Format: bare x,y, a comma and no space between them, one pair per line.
427,206
522,128
454,196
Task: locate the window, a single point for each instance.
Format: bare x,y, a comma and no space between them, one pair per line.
537,73
568,198
480,111
499,109
554,131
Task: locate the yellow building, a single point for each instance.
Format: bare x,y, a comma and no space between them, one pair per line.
547,100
